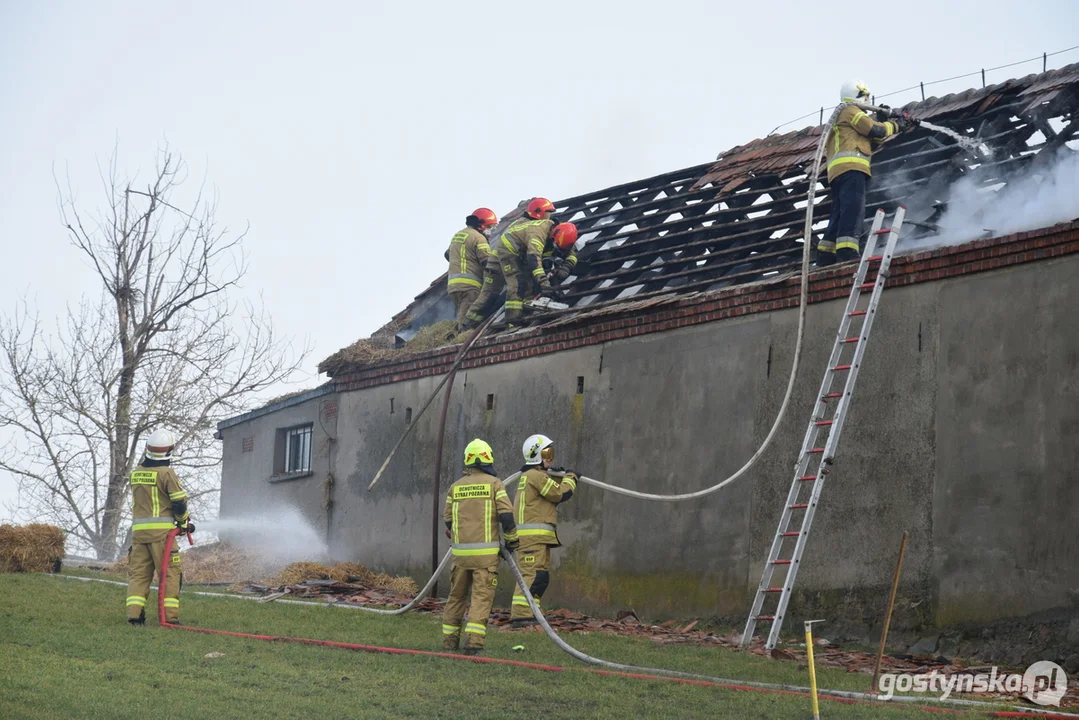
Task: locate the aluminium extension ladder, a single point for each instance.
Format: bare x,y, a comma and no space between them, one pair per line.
815,459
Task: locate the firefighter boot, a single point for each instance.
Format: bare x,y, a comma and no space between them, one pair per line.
846,249
451,637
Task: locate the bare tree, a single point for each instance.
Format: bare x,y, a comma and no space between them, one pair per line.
164,345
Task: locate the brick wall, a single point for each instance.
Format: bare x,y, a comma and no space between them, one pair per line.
661,314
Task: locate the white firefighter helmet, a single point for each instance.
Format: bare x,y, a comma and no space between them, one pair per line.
534,447
853,90
159,445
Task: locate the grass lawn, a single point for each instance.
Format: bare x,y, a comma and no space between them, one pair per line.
67,652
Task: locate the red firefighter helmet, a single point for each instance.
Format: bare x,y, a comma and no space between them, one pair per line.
538,206
486,216
564,235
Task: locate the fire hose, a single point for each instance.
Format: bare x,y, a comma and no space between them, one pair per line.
622,670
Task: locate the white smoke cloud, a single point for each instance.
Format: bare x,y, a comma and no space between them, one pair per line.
278,536
1038,199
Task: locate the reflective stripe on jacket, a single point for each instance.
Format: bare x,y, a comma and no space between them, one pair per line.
473,505
853,139
527,237
468,253
153,490
536,506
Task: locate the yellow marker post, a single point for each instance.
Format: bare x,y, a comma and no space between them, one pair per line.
812,668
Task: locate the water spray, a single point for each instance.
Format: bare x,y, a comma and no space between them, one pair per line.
968,143
962,140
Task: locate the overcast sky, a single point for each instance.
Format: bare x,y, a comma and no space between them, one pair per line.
354,137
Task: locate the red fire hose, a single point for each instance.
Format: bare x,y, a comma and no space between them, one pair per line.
516,663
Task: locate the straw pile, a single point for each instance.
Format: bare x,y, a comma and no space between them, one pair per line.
341,572
431,337
224,563
217,562
31,548
381,345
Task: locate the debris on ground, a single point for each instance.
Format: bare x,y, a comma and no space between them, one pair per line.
36,547
340,579
223,563
676,632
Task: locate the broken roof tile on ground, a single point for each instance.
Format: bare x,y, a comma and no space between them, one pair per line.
740,219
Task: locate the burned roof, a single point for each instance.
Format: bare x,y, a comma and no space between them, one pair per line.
739,219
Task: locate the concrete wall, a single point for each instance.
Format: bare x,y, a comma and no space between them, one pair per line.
249,483
962,432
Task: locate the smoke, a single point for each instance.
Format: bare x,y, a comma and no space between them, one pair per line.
277,536
1037,199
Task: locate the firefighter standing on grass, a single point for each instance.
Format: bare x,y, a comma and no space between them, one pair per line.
851,142
475,507
158,504
468,254
536,505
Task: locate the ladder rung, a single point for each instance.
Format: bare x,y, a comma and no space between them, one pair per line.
842,367
779,589
856,313
800,506
816,451
806,478
866,286
766,617
875,258
883,231
823,423
781,562
853,339
791,533
832,395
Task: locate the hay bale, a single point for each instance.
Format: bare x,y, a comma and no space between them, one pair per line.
31,548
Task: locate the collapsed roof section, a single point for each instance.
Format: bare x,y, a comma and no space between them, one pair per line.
739,219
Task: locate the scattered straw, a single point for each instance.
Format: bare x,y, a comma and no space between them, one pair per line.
431,336
31,548
224,563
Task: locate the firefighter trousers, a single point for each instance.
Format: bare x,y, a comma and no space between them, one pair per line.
535,563
484,305
144,561
517,284
474,587
841,239
462,302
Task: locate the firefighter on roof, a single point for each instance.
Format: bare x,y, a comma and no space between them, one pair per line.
851,142
468,254
158,504
475,507
520,257
536,507
559,255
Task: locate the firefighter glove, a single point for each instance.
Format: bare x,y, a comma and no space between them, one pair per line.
561,273
552,292
884,113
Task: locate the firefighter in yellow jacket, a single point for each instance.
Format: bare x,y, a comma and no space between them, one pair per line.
475,507
559,255
536,508
468,254
520,261
851,142
158,504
